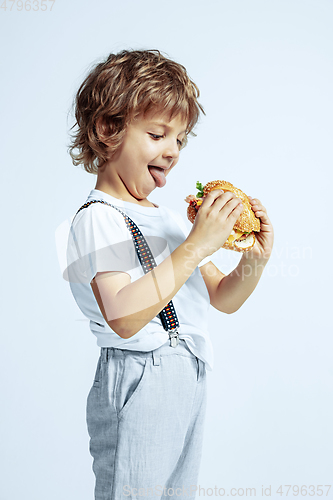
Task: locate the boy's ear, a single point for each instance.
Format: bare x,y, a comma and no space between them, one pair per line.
106,134
101,130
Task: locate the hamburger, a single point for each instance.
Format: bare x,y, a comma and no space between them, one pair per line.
242,237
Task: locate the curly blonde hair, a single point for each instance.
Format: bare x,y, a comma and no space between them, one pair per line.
119,89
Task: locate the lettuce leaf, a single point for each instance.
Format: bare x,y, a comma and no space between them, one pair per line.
199,186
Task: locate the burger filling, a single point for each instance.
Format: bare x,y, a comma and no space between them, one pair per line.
238,236
247,243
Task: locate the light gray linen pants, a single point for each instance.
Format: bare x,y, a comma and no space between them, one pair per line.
145,418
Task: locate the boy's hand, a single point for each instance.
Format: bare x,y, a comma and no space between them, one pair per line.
215,220
264,239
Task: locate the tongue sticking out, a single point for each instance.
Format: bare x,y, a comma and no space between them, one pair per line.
158,175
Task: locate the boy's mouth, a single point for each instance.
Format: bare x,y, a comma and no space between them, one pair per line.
158,175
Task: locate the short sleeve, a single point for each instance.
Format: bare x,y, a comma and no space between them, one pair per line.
99,241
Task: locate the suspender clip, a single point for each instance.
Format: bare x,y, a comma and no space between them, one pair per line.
174,337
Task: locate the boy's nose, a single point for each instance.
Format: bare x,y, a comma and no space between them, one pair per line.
171,151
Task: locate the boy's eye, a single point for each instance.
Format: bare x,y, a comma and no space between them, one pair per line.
154,136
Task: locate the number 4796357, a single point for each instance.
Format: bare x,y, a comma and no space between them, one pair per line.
304,490
27,5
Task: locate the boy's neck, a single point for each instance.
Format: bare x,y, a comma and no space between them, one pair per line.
106,189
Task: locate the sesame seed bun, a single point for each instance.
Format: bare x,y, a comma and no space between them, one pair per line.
246,223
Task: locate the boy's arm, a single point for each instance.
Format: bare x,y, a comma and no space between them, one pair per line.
228,293
128,307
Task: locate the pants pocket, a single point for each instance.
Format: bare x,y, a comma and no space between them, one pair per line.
97,378
133,374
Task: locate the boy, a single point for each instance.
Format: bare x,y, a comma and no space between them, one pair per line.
146,408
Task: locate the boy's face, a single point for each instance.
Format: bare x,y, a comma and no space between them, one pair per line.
153,140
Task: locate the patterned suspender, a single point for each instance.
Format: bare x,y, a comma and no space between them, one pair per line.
168,315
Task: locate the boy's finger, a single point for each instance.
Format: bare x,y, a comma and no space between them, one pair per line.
211,196
257,207
254,201
235,213
256,204
233,208
216,192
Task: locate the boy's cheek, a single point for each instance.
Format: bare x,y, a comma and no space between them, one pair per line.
174,163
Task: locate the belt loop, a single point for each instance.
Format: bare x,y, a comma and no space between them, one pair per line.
201,369
156,358
105,354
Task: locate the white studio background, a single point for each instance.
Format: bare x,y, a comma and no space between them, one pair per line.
264,69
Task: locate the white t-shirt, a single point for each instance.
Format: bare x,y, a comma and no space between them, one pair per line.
99,240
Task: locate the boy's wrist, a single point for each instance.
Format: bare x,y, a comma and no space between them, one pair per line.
196,250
